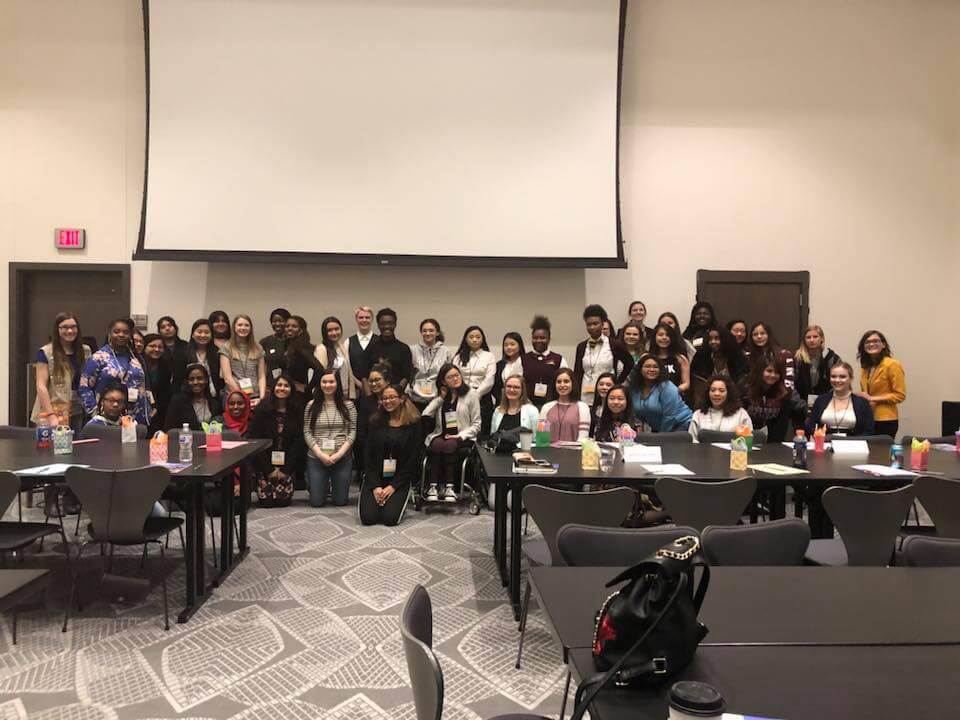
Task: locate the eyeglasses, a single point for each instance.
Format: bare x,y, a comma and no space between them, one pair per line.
67,327
874,341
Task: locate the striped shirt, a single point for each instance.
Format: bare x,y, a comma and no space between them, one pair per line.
330,425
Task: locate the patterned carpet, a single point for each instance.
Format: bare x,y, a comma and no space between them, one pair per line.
306,627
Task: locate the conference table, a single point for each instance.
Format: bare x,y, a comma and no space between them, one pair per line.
789,642
206,468
707,463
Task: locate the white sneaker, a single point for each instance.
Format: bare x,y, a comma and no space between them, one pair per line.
449,494
432,495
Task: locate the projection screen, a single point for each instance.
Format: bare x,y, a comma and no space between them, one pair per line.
387,131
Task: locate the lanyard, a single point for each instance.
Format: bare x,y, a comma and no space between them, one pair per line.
593,358
123,373
562,413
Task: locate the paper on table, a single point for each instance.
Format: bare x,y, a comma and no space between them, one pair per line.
850,447
726,446
642,454
667,469
778,469
946,447
226,444
566,444
172,467
52,469
810,445
884,471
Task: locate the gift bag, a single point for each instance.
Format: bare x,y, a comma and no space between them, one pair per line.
158,448
128,429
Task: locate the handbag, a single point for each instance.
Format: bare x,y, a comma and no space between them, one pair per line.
647,631
503,442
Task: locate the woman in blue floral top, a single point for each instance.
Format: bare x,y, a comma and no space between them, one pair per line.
115,362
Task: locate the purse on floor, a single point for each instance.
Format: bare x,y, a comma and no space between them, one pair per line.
647,631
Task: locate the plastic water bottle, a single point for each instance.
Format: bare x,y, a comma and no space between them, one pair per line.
800,450
186,444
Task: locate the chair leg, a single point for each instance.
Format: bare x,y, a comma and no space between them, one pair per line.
66,554
213,542
73,587
110,560
526,522
163,582
76,530
566,691
13,622
143,558
180,530
523,622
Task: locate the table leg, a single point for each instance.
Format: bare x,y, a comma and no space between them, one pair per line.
226,524
500,528
516,532
245,478
189,552
778,502
200,554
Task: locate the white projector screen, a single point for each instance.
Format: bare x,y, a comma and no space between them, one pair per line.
387,131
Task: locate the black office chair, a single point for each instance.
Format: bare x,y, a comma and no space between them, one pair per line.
591,546
714,436
426,675
665,438
108,433
868,522
940,497
119,503
698,504
779,542
919,551
27,484
949,417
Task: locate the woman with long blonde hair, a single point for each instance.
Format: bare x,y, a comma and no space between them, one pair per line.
813,361
242,364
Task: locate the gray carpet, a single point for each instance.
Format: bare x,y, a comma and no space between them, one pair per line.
306,627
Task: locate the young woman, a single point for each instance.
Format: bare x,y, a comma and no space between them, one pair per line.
279,418
515,409
569,417
378,379
159,379
738,328
220,323
668,318
882,381
202,351
238,413
176,346
669,349
59,365
720,408
607,329
770,403
718,355
330,430
655,400
299,357
813,361
392,459
617,414
604,383
634,340
332,352
274,344
429,355
763,348
478,367
138,344
509,364
115,361
456,413
242,365
111,406
840,409
598,354
540,365
637,313
702,319
195,404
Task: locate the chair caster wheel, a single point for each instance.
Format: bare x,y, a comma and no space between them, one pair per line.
474,507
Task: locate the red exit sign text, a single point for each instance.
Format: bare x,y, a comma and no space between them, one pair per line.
69,239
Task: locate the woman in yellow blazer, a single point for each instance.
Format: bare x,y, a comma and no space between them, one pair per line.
882,381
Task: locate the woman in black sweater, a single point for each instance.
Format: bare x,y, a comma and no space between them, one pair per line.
393,448
279,418
195,404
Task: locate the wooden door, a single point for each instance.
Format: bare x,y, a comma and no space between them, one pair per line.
96,294
780,299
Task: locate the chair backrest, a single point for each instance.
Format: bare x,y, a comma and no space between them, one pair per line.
9,487
426,676
699,504
907,440
868,521
871,439
664,438
108,432
779,542
586,545
920,551
118,501
712,436
940,497
551,509
949,417
11,432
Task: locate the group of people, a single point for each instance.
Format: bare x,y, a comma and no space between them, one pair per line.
369,404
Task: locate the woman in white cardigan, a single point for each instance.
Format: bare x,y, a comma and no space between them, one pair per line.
720,409
333,354
478,366
515,410
456,414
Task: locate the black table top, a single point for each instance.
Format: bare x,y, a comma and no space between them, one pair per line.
781,605
711,463
801,683
16,454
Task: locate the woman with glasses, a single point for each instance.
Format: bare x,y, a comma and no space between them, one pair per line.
882,381
59,363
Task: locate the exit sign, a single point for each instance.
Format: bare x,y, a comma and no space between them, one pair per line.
69,239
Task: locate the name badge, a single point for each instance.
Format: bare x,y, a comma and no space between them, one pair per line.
697,342
246,385
540,390
276,372
588,389
277,457
389,467
132,395
150,397
811,399
425,389
327,445
450,420
338,363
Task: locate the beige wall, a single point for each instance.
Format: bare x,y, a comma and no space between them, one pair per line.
768,135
